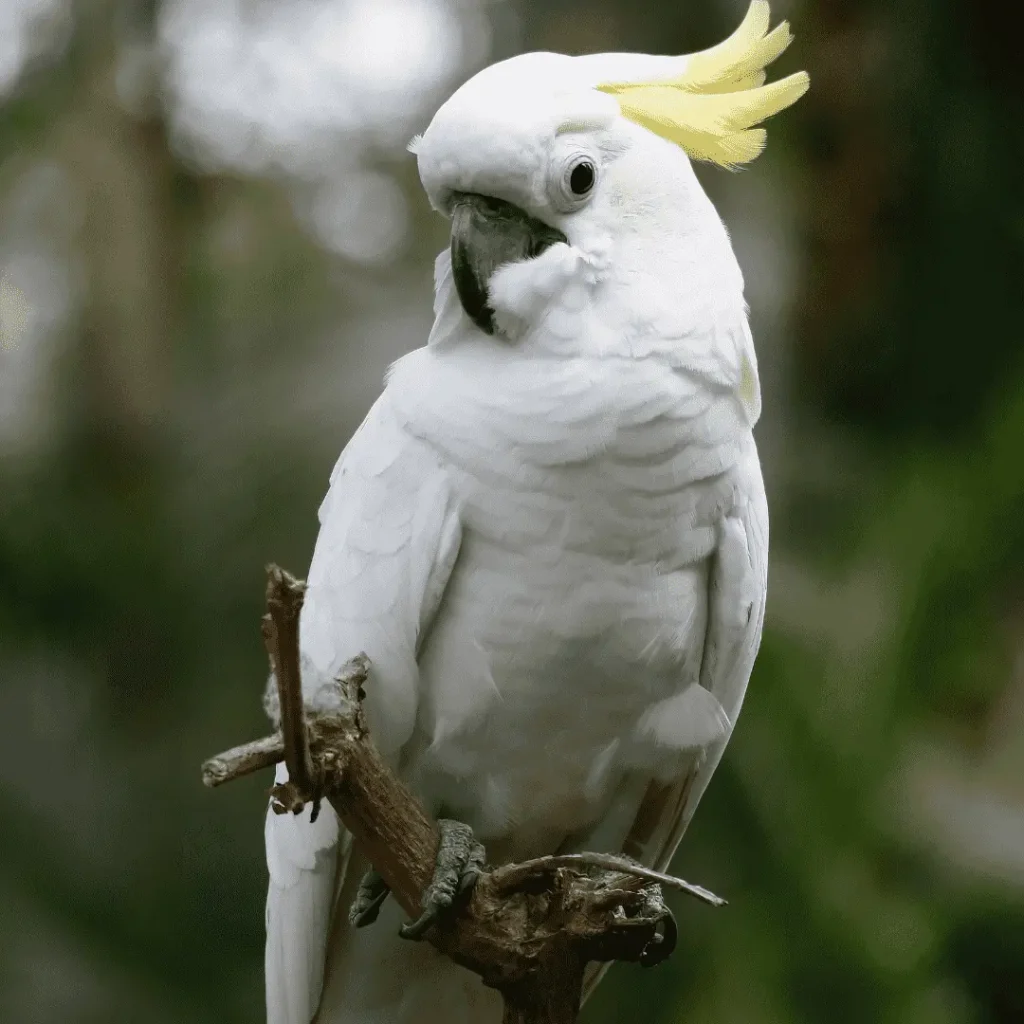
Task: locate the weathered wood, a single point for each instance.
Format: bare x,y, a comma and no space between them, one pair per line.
280,628
243,760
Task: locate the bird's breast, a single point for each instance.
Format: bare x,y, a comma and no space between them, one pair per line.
578,600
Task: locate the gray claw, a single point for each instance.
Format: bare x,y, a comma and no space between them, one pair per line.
664,942
460,862
372,893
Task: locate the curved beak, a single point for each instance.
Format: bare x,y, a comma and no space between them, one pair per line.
486,234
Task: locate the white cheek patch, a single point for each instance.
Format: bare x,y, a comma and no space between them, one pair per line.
519,293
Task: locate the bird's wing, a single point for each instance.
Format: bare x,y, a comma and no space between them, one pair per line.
737,587
389,536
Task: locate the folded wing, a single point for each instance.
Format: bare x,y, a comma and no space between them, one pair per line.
389,536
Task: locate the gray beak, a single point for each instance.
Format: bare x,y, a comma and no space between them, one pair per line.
487,233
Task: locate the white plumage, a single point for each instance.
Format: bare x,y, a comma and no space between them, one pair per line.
550,541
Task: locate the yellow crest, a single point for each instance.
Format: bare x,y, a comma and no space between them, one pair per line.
712,108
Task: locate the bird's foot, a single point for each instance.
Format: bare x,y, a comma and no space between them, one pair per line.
372,893
660,947
647,905
460,862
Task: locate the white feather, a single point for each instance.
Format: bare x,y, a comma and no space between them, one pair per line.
689,721
301,861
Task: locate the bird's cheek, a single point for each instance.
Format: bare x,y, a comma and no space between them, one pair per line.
520,293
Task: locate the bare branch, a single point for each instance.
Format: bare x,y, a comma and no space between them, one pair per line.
512,876
285,595
243,760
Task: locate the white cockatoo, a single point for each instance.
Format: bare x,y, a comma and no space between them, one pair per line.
550,533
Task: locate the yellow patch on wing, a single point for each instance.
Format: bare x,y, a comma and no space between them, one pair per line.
748,387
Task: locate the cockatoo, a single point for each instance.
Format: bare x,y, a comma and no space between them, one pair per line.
550,533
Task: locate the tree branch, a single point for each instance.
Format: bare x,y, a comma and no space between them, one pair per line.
509,876
527,929
285,595
243,760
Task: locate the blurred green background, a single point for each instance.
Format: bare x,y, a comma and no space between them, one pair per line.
212,243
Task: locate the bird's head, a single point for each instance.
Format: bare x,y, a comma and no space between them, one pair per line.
575,173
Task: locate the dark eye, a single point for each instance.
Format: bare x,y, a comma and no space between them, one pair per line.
581,178
573,179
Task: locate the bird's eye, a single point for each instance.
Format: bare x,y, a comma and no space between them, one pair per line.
582,177
573,180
